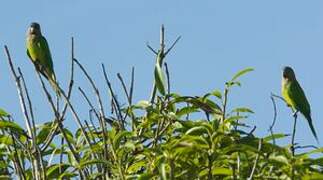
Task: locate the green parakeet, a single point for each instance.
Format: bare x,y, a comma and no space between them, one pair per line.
39,53
295,96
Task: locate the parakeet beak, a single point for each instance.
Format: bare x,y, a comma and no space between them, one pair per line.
32,30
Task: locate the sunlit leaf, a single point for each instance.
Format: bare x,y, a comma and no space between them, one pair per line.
217,94
54,170
159,79
221,171
86,163
185,111
274,136
3,113
240,73
314,176
243,110
118,138
12,126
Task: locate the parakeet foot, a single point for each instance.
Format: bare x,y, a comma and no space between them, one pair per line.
295,114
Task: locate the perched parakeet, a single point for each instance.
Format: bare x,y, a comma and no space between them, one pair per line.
39,53
295,96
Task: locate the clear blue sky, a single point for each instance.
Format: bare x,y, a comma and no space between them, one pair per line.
219,38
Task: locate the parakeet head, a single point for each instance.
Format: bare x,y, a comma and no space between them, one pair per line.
288,73
34,28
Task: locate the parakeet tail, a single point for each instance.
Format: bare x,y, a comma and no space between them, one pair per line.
309,119
54,84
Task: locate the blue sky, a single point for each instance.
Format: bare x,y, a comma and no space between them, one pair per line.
219,38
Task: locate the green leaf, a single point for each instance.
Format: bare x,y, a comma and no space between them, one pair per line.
12,126
69,135
159,79
54,170
274,136
6,139
44,132
143,104
67,175
221,171
3,113
281,160
117,139
198,130
145,176
217,94
185,111
92,162
234,118
314,176
243,110
240,73
135,167
5,177
163,171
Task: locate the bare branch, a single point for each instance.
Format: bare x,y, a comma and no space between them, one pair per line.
20,93
102,114
89,103
173,45
52,134
271,128
256,160
152,49
132,84
168,79
118,108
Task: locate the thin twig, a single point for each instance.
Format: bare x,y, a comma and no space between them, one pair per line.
39,157
256,160
168,79
20,93
35,160
29,102
52,134
305,147
102,114
271,128
124,87
76,156
152,49
114,99
89,103
224,106
293,144
173,45
20,170
132,84
127,95
61,156
293,135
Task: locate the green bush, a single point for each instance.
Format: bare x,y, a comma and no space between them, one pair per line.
150,139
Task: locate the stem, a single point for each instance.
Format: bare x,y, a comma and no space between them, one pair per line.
162,56
225,101
294,132
293,144
256,161
274,119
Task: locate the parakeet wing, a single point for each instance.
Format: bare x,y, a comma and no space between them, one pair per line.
47,61
300,102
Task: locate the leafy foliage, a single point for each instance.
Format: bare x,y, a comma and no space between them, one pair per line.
156,139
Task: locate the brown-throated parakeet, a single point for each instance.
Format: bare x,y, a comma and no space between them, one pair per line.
295,96
39,53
